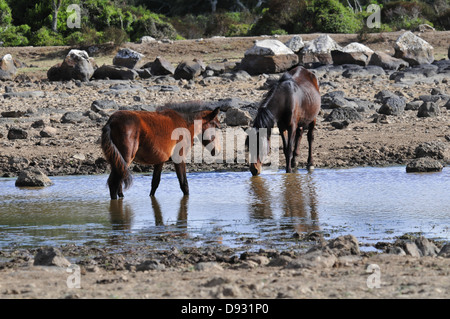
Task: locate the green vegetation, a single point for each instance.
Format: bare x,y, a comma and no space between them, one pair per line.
42,23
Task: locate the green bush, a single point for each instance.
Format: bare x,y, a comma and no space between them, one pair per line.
154,26
332,16
5,14
115,35
15,36
46,37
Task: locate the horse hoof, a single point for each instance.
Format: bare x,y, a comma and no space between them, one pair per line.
310,168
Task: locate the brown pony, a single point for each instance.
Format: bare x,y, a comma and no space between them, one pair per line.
147,138
293,103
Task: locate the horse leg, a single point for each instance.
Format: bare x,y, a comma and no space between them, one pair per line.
115,184
310,164
180,169
291,132
296,153
156,177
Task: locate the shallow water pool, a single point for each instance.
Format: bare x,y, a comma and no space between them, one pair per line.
232,209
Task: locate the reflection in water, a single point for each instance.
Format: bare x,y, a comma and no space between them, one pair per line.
298,199
182,212
120,218
260,201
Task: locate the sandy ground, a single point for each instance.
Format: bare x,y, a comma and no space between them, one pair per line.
362,143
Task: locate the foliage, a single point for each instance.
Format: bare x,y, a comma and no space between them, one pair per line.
46,37
29,22
15,36
5,14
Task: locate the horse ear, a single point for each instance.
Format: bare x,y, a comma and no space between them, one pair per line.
212,115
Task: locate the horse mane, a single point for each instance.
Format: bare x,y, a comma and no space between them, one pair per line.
188,110
264,117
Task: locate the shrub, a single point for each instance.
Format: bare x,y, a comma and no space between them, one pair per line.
154,26
115,35
5,14
15,36
46,37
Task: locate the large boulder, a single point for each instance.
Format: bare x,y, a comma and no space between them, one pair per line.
353,53
189,70
295,43
268,56
424,165
387,62
413,49
113,72
7,68
160,67
77,65
127,58
318,51
33,177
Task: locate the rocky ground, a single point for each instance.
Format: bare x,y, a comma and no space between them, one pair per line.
56,126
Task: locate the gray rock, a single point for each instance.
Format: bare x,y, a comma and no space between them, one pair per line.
295,43
344,114
72,117
428,109
113,72
17,134
424,165
426,247
387,62
318,51
392,106
413,105
413,49
189,70
160,67
104,105
77,65
353,53
279,261
237,117
50,257
7,68
48,131
344,245
411,249
33,177
445,250
434,149
127,58
396,251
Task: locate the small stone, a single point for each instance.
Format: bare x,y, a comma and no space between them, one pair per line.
33,177
50,257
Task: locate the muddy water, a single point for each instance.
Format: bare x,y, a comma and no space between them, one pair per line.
229,208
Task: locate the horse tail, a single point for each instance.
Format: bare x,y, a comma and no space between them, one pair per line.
115,158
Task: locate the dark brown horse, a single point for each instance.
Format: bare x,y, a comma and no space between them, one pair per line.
153,138
293,104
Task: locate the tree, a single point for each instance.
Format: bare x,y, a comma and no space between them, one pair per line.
56,4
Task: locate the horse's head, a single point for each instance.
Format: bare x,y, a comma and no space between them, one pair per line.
210,123
258,145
